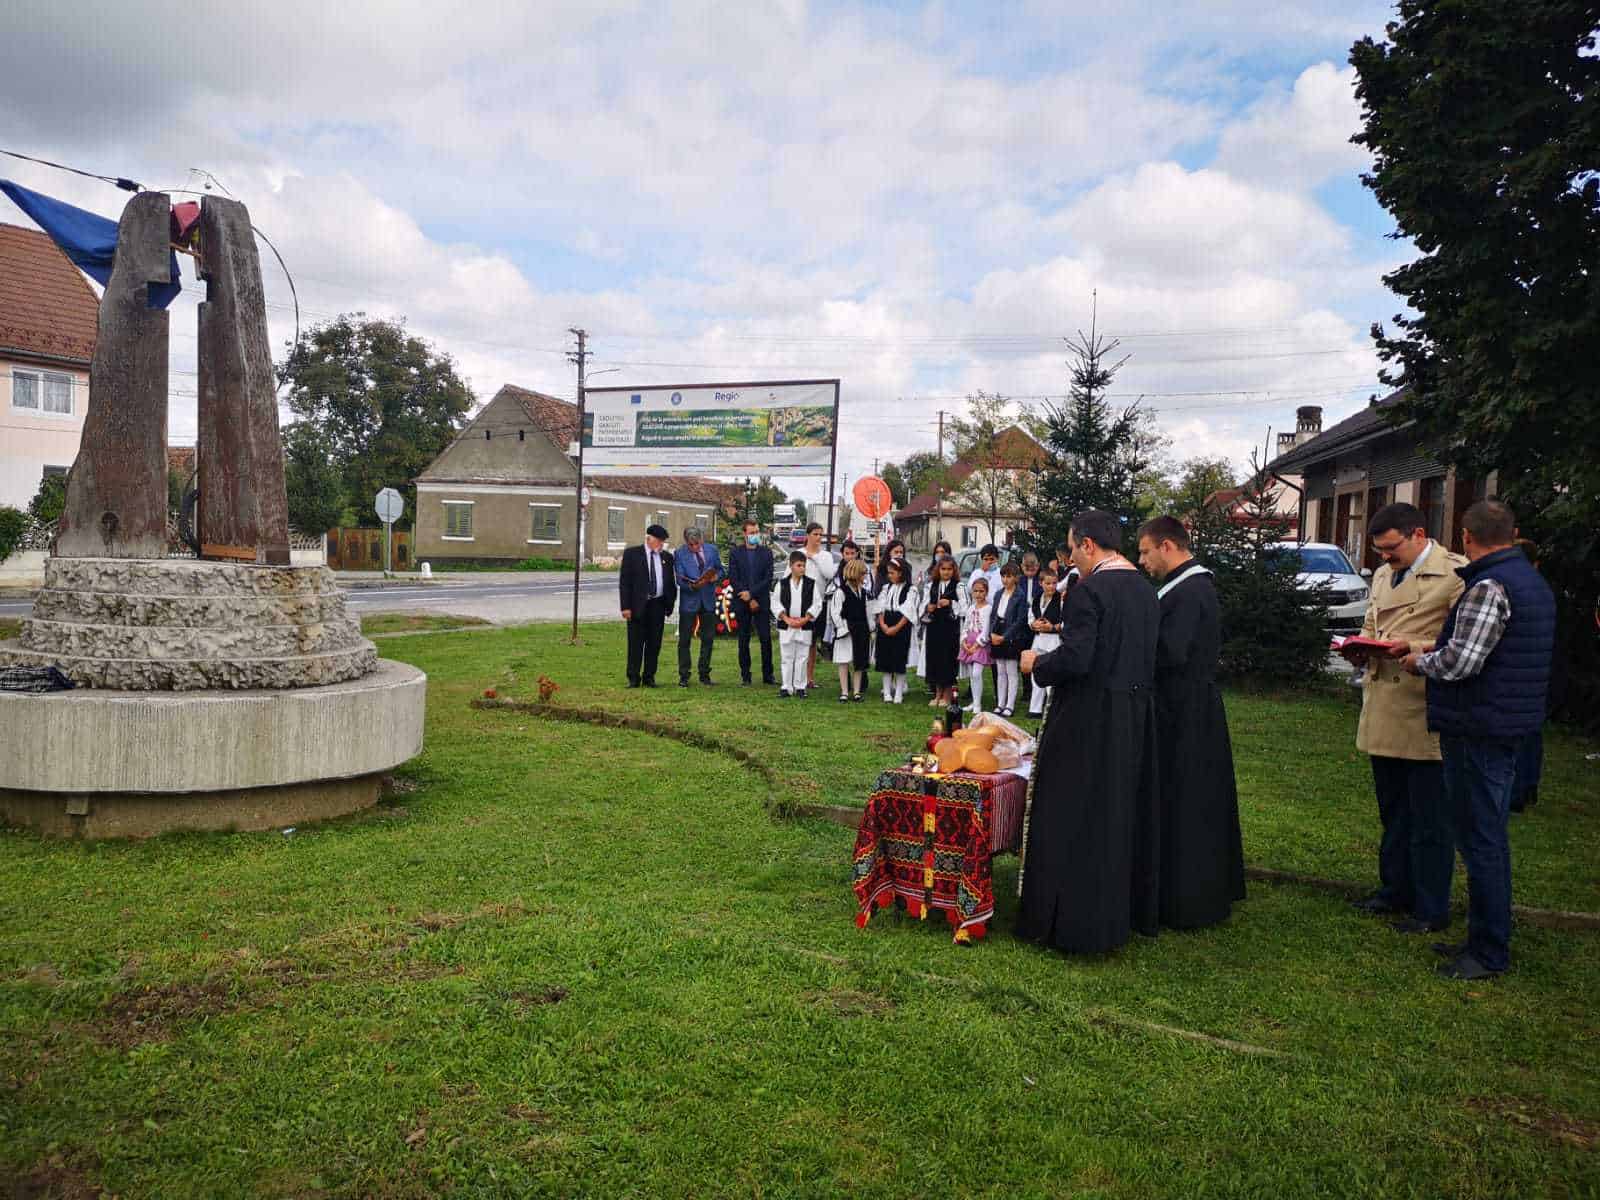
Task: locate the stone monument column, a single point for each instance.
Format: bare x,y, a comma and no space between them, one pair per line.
116,503
243,509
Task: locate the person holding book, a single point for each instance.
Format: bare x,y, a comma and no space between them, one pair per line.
975,654
1412,593
797,601
919,639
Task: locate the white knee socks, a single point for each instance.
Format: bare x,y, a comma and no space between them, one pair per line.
975,673
1008,679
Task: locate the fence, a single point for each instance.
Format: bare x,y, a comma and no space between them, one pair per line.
362,549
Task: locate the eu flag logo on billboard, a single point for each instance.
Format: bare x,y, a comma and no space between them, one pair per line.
636,398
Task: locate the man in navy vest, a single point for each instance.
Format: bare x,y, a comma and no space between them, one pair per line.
1488,676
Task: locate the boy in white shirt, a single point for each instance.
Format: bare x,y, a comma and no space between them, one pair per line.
796,601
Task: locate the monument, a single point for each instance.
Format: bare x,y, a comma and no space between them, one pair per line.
230,691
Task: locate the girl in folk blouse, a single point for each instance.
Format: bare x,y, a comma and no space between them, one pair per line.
895,618
1046,626
974,655
852,634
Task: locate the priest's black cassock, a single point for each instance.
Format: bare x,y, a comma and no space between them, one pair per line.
1202,859
1093,849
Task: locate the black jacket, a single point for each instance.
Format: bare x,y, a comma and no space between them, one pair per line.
1013,626
750,569
633,580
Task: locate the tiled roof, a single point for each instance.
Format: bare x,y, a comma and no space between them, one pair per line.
1362,426
558,421
46,305
1014,447
180,459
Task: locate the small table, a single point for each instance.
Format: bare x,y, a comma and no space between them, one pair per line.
930,839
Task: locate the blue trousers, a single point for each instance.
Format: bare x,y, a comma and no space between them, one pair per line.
1417,853
1478,774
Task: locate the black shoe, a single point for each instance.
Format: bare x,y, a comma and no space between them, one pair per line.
783,693
844,697
857,698
768,680
1377,906
745,682
650,683
1464,966
801,694
632,684
683,683
705,681
1413,925
1450,949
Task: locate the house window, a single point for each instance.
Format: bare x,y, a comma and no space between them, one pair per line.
41,391
546,523
457,520
52,472
616,527
969,536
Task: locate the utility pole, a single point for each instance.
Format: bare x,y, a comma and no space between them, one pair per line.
581,357
939,478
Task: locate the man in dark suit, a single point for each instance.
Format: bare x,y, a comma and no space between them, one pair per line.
698,566
648,594
750,568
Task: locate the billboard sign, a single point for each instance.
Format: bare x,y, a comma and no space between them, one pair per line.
776,428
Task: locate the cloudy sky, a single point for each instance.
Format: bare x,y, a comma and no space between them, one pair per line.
918,198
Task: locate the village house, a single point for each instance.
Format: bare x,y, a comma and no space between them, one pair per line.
1349,471
48,321
952,511
503,491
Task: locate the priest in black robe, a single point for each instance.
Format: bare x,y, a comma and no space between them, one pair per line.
1093,844
1202,857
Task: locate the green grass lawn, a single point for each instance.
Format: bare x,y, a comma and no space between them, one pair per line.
582,961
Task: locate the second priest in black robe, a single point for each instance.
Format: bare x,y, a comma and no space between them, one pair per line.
1093,846
1202,859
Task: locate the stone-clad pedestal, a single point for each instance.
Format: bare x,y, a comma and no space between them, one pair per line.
211,696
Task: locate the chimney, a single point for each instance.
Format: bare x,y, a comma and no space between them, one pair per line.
1308,422
1287,441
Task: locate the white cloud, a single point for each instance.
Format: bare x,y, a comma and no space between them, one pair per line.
1299,138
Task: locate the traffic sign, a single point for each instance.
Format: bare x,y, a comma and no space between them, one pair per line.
390,506
872,496
583,497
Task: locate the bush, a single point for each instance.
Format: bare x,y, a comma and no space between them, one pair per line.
1273,630
13,525
50,501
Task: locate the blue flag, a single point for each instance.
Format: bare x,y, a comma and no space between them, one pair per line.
86,238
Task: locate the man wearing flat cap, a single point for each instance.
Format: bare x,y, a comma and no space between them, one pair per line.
648,593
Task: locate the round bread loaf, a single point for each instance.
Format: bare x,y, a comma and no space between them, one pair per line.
981,760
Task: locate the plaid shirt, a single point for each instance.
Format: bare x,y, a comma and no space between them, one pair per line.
1481,616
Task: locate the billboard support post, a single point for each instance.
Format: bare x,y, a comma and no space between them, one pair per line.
833,460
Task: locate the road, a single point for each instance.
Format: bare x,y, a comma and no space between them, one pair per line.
542,596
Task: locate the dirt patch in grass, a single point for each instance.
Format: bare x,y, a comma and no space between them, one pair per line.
539,997
52,1179
150,1014
884,741
1539,1120
380,624
528,1113
846,1002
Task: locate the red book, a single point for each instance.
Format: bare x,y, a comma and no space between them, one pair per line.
1364,645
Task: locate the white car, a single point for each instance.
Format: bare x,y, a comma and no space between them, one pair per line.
1324,564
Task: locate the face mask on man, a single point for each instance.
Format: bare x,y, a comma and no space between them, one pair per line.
752,539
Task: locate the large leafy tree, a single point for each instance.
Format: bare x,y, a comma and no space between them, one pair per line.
382,402
995,484
1098,453
1483,119
317,499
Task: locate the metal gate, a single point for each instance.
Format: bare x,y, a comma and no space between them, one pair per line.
362,549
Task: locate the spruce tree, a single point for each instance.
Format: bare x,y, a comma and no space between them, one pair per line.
1096,451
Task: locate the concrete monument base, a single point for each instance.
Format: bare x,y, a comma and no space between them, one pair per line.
101,763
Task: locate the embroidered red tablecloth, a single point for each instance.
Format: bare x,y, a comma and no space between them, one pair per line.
929,839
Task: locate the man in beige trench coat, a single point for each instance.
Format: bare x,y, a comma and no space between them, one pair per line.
1411,596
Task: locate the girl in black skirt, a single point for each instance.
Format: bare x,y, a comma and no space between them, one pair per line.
942,633
896,617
